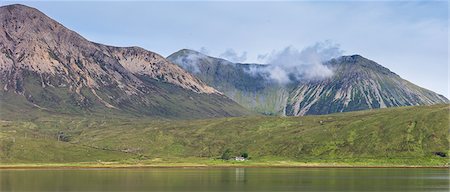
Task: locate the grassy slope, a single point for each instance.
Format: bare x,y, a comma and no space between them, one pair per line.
394,136
163,100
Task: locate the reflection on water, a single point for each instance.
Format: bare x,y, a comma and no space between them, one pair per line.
226,179
240,175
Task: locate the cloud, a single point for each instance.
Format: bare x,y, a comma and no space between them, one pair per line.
292,64
284,66
204,50
233,56
262,57
190,61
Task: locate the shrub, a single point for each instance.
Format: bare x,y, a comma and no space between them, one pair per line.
227,154
6,147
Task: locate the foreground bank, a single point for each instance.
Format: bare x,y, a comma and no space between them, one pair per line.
405,136
217,164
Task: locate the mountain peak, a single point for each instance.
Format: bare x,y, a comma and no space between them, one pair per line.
187,52
36,42
353,58
18,7
55,68
22,13
189,59
358,62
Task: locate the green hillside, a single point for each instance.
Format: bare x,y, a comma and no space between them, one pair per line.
393,136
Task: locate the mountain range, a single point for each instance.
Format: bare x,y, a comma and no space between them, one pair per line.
70,101
357,83
46,66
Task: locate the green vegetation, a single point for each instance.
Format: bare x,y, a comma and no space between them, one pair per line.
164,101
244,155
405,136
227,154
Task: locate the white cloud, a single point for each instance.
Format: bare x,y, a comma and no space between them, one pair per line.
204,50
293,64
233,56
190,61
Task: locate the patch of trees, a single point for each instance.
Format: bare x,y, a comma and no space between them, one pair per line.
440,154
228,154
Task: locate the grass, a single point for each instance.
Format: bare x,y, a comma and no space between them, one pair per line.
404,136
202,162
156,99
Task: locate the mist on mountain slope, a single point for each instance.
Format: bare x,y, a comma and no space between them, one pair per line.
291,64
282,66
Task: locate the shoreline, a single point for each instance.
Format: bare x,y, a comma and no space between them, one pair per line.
198,166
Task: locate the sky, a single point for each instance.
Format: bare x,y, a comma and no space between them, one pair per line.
408,37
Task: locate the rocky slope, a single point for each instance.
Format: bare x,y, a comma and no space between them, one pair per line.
357,84
252,91
55,68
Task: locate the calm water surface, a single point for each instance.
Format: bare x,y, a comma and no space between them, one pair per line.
226,179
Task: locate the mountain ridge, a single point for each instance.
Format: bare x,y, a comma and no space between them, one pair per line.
357,84
54,67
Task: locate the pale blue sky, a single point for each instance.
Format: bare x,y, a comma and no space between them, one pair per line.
408,37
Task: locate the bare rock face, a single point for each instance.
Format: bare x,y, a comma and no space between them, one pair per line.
32,41
140,61
36,50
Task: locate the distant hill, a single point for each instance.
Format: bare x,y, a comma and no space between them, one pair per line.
47,66
357,84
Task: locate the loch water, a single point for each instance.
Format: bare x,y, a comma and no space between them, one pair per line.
227,179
